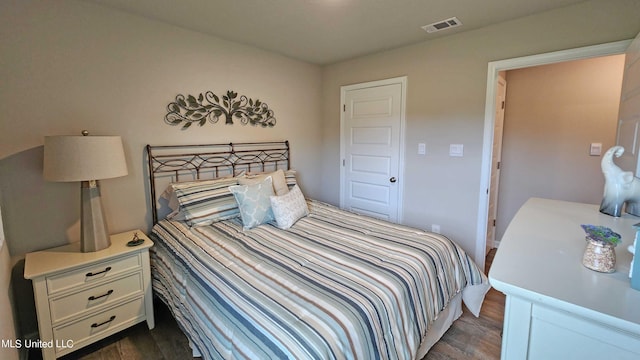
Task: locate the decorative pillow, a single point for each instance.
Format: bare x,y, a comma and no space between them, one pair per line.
289,208
279,182
169,194
205,202
168,200
253,201
290,178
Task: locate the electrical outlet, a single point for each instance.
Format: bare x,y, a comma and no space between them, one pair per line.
435,228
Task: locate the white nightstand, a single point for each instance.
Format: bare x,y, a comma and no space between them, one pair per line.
84,297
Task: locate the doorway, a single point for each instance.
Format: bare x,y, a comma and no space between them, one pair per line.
496,159
490,107
560,119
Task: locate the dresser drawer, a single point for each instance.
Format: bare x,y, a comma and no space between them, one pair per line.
92,273
99,325
94,297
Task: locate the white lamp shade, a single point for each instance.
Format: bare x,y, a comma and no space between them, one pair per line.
83,158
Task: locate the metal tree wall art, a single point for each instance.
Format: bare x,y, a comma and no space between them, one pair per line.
188,110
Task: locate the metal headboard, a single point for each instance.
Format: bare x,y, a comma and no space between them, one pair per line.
210,161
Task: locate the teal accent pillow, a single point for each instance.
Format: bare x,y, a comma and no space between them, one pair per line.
254,202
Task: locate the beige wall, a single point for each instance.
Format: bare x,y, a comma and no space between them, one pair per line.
68,65
553,113
7,328
7,325
445,103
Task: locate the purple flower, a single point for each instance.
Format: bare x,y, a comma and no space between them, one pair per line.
602,234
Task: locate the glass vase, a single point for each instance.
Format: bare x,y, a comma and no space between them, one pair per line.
599,256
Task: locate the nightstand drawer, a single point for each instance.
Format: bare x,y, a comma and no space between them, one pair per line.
99,325
92,298
93,273
82,297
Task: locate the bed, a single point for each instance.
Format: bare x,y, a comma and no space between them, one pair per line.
331,285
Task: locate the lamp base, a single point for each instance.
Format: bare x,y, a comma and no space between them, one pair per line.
94,234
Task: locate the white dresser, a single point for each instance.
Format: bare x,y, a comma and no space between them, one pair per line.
84,297
556,308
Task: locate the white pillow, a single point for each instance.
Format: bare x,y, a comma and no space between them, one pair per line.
289,208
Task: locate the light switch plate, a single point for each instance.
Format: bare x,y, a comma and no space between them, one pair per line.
422,148
595,149
456,150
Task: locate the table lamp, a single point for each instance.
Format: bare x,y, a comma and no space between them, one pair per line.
87,159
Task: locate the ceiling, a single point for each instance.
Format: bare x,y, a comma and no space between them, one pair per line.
328,31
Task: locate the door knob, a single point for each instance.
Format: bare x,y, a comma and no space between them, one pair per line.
393,179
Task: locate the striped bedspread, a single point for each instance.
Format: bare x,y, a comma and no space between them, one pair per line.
335,286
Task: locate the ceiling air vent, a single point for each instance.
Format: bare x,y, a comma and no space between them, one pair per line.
441,25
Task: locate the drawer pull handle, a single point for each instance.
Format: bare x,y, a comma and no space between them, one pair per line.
100,296
99,272
95,325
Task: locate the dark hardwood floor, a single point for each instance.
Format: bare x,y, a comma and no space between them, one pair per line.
165,342
468,338
474,338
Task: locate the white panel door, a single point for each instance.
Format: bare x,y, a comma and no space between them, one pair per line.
629,113
371,150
